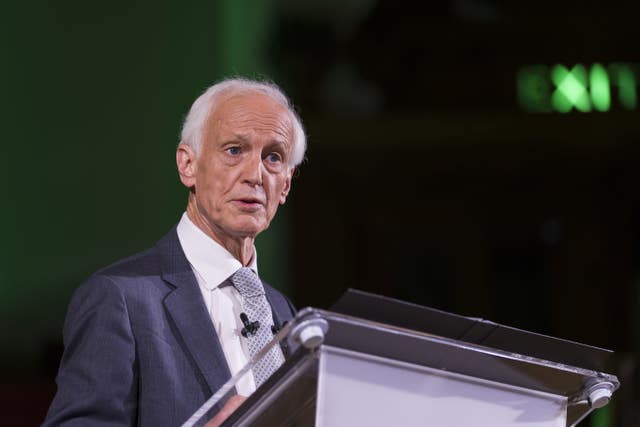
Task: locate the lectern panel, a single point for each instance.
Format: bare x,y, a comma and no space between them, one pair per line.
357,389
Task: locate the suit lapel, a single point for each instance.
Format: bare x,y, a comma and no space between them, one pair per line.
278,319
188,311
280,316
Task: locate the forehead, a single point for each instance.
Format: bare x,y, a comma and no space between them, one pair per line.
251,112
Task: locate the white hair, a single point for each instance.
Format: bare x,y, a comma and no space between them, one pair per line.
194,124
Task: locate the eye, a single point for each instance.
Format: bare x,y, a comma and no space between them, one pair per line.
274,157
234,151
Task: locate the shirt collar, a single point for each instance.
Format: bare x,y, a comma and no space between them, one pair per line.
211,260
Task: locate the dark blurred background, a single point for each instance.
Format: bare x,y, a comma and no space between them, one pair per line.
477,156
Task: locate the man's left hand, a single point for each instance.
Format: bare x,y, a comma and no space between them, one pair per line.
228,408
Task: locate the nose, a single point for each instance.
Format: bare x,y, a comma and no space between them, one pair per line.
252,170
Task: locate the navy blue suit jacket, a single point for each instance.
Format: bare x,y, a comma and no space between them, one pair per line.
140,347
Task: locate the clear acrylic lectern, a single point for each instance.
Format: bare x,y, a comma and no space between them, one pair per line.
375,361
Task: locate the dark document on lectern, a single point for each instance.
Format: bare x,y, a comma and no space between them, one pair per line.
410,316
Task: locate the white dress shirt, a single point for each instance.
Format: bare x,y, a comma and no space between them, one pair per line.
212,264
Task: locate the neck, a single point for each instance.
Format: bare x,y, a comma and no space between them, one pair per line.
240,247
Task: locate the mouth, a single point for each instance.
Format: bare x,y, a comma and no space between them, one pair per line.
249,203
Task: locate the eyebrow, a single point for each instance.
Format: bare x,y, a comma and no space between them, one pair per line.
244,138
241,137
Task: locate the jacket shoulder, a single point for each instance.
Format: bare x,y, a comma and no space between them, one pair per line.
150,262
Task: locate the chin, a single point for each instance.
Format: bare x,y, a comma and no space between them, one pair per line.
248,230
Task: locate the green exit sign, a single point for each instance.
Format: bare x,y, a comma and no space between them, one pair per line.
585,88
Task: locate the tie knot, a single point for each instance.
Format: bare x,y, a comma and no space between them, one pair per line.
247,283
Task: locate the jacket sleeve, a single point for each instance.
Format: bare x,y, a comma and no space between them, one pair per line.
97,379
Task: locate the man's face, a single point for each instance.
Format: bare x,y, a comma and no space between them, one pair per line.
242,173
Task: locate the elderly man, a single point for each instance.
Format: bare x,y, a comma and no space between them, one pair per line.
150,338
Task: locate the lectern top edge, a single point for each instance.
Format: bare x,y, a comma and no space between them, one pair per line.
469,329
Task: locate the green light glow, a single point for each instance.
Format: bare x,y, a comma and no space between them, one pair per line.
557,88
599,86
622,75
571,89
534,89
601,417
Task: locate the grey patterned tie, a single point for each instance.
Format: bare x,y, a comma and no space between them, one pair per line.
256,307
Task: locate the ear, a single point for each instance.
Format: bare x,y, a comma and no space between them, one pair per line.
186,160
287,186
